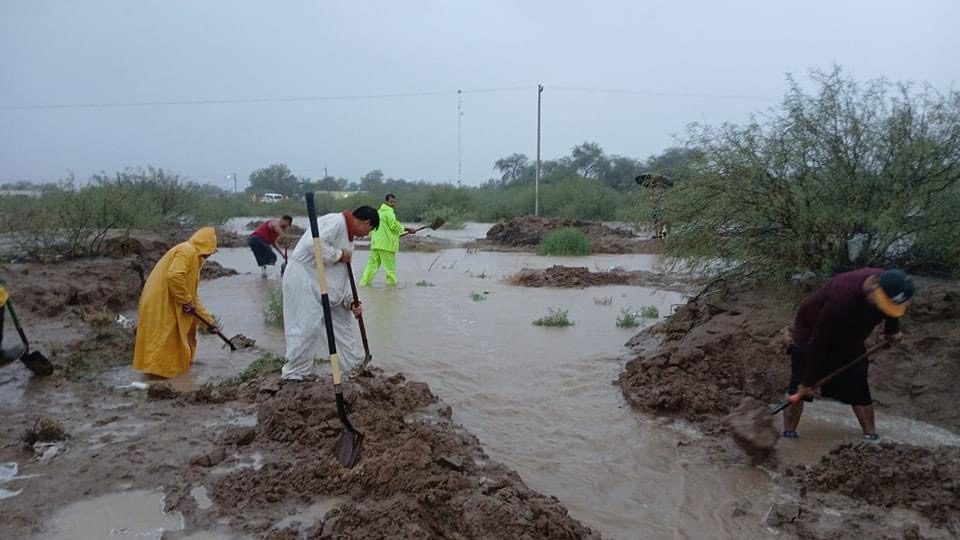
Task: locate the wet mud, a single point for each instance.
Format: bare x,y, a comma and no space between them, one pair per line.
716,350
419,474
721,362
526,232
869,490
79,286
752,428
581,277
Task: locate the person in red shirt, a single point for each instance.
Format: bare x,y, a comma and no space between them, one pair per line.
263,241
830,330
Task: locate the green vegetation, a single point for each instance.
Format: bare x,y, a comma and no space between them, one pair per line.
628,319
267,363
847,176
477,297
273,306
650,312
565,241
602,300
554,317
424,283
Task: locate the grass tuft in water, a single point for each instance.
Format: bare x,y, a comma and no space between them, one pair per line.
273,306
555,317
265,364
628,319
565,241
650,312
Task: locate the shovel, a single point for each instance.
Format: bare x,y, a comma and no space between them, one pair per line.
347,448
434,225
795,398
35,361
218,332
363,330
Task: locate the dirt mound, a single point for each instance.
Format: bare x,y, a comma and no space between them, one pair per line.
580,277
419,475
214,270
875,491
528,231
717,350
112,282
708,363
888,475
73,286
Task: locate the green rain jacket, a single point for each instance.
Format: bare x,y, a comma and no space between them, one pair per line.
387,235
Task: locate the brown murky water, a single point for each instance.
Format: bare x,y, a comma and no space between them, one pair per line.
541,400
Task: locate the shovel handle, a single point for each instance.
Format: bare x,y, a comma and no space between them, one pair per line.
356,300
218,332
16,324
795,398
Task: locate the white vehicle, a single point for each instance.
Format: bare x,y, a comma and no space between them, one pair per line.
271,198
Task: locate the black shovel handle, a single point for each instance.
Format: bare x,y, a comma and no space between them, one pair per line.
218,332
16,324
356,300
795,398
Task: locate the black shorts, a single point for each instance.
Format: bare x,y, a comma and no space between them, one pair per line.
849,387
262,251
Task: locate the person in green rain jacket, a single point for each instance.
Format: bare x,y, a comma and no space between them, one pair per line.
384,244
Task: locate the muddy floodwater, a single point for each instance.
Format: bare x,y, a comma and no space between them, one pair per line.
541,400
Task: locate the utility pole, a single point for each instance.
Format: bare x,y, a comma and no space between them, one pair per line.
234,182
536,185
459,137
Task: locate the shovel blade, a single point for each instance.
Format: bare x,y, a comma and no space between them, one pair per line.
347,448
37,363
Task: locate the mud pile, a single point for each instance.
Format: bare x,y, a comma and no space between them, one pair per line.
578,277
711,358
419,475
112,282
717,350
527,232
51,290
876,490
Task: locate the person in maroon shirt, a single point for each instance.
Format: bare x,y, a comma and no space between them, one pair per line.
263,241
830,330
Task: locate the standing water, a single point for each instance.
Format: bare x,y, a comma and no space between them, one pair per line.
541,400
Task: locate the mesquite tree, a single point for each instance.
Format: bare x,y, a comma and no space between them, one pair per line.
850,175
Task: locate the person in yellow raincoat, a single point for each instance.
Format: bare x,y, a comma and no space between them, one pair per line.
167,329
8,354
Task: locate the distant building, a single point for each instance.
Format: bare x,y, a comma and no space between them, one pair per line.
20,193
341,194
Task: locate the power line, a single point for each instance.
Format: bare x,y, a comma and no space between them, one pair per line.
659,93
255,101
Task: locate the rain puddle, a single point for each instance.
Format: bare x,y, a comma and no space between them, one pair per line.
129,514
306,518
199,494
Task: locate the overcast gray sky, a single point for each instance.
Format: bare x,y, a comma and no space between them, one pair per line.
123,51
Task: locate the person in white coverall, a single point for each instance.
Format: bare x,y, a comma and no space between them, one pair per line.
303,322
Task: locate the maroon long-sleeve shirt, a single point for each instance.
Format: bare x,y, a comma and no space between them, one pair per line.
833,323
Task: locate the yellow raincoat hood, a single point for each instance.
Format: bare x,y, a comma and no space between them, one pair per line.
167,335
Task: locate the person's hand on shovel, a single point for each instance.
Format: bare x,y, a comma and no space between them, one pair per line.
410,230
346,255
189,307
357,309
806,392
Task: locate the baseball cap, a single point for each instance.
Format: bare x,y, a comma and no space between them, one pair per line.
896,290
